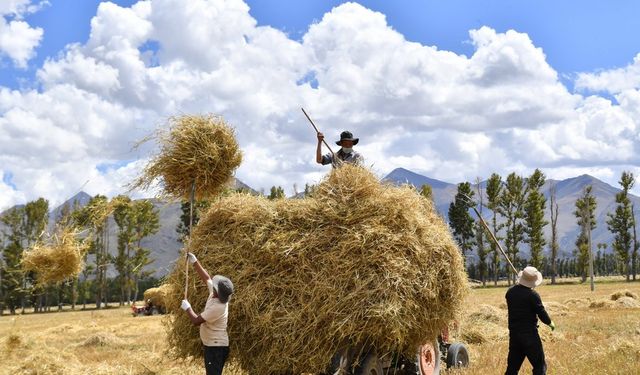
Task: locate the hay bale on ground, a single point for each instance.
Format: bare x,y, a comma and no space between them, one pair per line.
600,304
488,313
158,296
358,263
627,302
58,261
102,339
200,149
623,293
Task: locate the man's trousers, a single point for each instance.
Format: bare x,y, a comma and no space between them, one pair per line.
525,344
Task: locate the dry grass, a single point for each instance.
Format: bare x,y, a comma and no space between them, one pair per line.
194,149
587,341
158,296
59,260
594,335
359,264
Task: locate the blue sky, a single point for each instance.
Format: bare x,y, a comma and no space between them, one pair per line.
444,88
582,36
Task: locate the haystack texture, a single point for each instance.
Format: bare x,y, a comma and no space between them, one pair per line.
62,259
200,149
158,296
359,263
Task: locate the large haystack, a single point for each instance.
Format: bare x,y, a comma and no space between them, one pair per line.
200,149
158,296
60,260
358,263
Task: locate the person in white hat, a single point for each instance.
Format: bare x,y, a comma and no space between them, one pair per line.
213,319
525,307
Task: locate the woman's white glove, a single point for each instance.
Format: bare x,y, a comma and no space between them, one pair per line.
185,305
192,258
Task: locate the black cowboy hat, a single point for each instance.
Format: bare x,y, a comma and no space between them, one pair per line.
347,136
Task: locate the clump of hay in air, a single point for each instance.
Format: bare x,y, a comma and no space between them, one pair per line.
200,149
158,296
623,293
61,259
360,263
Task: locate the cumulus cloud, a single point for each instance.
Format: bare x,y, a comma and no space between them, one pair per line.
18,39
449,116
613,81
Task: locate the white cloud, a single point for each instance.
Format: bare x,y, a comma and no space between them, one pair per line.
18,39
613,81
450,116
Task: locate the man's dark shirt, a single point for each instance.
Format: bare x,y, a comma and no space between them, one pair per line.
524,305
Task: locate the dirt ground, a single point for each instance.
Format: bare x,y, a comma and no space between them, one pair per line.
595,335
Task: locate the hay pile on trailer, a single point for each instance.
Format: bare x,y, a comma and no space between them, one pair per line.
359,263
60,260
194,149
158,296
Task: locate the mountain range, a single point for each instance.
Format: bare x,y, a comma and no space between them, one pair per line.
165,245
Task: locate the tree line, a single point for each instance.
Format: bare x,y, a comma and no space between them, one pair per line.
518,215
25,225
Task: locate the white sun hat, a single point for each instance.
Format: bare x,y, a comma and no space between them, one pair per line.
530,277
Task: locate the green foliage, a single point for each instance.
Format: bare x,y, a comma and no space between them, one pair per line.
12,275
426,191
199,207
586,219
494,191
620,222
460,220
534,217
276,193
511,207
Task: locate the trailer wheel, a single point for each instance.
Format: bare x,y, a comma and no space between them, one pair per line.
457,355
370,366
429,359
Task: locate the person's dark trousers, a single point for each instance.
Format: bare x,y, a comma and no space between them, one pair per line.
529,345
214,359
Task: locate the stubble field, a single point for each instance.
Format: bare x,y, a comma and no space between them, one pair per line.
595,335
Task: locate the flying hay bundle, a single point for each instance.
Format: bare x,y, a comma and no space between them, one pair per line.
359,263
195,149
63,258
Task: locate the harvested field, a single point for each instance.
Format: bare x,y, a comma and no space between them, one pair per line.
587,341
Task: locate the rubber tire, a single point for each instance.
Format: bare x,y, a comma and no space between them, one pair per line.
370,366
457,356
154,311
436,368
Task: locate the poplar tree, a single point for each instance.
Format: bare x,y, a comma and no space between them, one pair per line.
620,223
460,220
276,193
553,208
494,190
534,217
511,206
94,218
480,238
585,215
12,278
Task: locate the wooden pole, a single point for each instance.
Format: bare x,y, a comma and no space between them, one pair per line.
317,131
186,268
493,237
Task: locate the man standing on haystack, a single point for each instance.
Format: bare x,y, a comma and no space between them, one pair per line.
525,307
213,319
346,154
